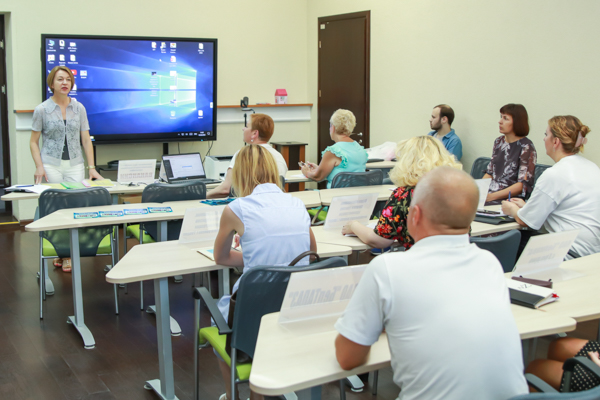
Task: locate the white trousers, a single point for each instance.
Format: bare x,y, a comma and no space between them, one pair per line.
65,172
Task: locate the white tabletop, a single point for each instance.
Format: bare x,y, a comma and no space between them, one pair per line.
287,360
381,164
385,191
295,175
579,298
164,259
335,236
117,189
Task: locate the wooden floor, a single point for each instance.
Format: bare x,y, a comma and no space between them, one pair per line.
45,359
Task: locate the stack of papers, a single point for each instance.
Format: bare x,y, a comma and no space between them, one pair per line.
27,188
98,183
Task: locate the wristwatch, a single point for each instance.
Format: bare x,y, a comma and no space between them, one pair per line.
90,167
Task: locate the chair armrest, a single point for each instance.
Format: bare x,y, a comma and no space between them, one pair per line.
569,366
202,293
573,254
539,384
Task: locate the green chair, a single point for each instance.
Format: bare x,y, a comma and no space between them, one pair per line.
261,292
96,241
161,193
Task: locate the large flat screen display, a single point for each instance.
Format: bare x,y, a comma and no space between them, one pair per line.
139,89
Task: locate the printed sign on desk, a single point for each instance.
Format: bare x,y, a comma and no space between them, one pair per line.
319,294
200,224
543,255
136,171
348,208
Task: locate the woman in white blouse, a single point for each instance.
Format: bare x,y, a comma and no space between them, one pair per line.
274,227
567,195
62,122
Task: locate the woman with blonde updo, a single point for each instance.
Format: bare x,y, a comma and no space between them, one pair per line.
346,155
566,196
416,157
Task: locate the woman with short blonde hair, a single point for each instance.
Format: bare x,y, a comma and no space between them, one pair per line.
346,155
416,157
273,226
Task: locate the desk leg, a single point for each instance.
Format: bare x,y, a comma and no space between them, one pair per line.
165,386
162,237
77,319
47,281
313,393
223,282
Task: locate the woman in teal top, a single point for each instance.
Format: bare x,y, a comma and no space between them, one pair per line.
346,155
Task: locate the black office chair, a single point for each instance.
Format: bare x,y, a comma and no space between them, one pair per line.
504,247
261,292
539,170
549,393
479,167
161,193
353,179
345,180
96,241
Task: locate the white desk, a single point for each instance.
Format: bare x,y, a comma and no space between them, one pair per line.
385,191
286,361
158,261
115,191
293,176
381,165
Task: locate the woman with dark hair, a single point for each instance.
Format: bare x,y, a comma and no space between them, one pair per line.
512,166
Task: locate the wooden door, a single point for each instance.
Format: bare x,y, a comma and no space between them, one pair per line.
344,56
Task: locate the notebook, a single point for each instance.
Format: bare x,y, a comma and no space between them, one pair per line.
185,167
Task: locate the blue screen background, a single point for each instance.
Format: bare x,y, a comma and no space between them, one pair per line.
131,87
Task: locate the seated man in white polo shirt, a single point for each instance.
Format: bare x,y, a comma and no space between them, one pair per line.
258,130
444,304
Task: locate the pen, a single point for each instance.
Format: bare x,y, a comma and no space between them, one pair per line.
509,195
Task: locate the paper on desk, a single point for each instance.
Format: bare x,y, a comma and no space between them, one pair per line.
371,225
200,224
544,254
299,176
319,294
28,188
347,208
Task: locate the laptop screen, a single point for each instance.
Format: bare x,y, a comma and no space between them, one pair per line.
183,166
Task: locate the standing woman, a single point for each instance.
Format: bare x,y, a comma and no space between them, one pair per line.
346,155
63,124
566,196
512,166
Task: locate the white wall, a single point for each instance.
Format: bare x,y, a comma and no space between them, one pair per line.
476,56
262,47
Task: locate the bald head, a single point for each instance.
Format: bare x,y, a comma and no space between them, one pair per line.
448,198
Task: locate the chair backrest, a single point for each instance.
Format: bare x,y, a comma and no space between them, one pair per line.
89,238
504,247
261,292
352,179
479,166
592,394
539,170
163,192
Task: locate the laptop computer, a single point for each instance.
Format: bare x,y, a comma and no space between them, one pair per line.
185,167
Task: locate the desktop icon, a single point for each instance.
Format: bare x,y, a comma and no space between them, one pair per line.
61,57
61,42
201,46
173,45
73,44
50,42
173,59
83,72
153,73
153,45
74,72
163,45
50,57
200,113
73,58
74,86
172,113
